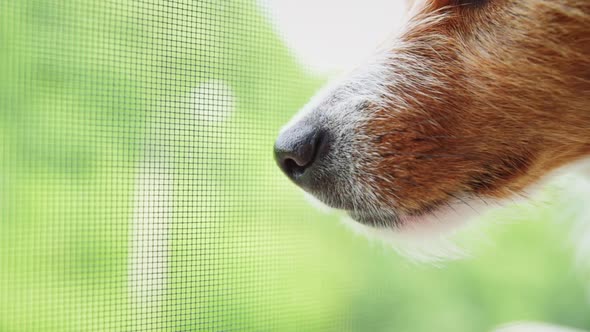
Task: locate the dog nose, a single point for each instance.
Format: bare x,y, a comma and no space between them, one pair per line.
297,149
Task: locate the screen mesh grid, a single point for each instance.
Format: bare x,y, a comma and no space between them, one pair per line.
138,190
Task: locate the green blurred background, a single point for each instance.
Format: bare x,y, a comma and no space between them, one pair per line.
138,192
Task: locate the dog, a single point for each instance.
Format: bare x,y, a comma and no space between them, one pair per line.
473,103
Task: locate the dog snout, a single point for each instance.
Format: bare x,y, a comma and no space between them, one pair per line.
298,149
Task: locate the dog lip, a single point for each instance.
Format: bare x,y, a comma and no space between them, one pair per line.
392,217
372,220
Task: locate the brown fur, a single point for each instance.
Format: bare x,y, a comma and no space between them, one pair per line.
495,96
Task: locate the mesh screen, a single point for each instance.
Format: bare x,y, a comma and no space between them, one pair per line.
138,190
138,186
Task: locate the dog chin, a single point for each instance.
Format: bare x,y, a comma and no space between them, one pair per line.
426,238
438,221
434,222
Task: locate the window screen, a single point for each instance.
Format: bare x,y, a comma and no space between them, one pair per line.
138,190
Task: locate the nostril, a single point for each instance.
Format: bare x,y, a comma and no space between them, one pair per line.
296,152
292,167
295,161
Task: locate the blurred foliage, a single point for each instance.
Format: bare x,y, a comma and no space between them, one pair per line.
138,192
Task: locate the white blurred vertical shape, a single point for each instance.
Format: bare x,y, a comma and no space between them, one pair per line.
210,105
149,239
330,36
577,208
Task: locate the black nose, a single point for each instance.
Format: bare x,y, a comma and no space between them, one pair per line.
297,149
